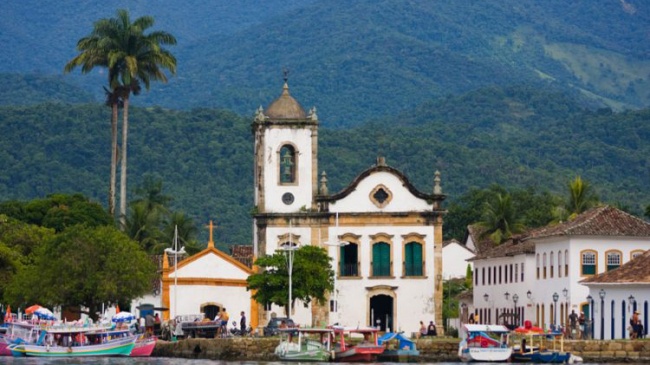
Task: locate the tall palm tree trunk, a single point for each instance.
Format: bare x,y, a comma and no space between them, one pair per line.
111,188
125,133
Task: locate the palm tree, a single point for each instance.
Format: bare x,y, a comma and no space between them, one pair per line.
581,198
500,220
133,58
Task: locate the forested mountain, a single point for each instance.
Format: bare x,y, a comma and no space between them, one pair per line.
355,60
516,137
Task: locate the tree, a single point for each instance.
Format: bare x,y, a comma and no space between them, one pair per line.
581,197
86,267
311,264
18,240
500,219
647,211
133,58
58,211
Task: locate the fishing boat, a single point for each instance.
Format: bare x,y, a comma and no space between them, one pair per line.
398,348
75,341
365,348
305,344
535,345
144,346
484,343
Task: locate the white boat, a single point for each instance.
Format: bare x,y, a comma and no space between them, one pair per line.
484,343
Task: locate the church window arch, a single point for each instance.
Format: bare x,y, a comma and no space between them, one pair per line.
288,164
381,265
414,255
349,256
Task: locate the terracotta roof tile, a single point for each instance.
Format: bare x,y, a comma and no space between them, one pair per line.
600,221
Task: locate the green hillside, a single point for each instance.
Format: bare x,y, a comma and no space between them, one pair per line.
358,60
516,137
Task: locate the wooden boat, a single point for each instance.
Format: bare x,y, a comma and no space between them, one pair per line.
347,350
144,346
398,348
536,346
484,343
305,344
75,341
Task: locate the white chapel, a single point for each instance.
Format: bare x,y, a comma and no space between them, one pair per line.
383,235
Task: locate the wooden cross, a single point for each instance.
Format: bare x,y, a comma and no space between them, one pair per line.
211,226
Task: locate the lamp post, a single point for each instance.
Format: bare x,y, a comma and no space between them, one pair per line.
515,299
601,294
632,302
338,244
486,296
555,298
175,251
289,250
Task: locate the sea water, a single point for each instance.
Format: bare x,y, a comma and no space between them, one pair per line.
165,361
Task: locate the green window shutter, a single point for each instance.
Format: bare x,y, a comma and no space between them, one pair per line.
413,262
381,259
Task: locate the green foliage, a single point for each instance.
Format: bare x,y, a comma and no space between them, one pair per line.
58,211
500,220
451,288
84,266
581,197
18,242
312,276
469,277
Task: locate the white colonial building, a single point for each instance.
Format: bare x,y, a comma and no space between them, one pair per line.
537,275
384,236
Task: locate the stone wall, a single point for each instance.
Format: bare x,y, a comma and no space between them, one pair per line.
431,350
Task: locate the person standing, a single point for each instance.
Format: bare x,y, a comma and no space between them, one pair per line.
242,323
573,321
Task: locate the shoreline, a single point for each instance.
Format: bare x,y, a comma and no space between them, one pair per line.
431,350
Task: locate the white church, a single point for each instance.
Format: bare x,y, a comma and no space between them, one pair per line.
383,235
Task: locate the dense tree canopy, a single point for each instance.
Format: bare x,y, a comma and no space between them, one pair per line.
312,276
83,266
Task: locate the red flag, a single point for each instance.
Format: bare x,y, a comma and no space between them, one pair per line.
8,314
117,308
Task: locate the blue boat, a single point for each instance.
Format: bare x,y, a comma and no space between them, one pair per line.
398,348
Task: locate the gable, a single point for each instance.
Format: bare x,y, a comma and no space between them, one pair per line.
380,191
212,264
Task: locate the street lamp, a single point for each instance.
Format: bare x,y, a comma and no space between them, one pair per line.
632,302
529,294
515,299
507,295
486,296
338,244
555,298
601,294
176,252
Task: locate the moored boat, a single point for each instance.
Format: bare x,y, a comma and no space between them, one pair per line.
144,346
534,345
398,348
484,343
305,344
346,350
75,342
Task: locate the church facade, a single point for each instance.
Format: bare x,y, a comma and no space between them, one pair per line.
383,235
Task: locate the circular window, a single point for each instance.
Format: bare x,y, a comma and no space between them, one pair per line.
287,198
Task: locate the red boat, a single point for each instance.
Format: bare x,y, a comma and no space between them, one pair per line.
367,349
144,346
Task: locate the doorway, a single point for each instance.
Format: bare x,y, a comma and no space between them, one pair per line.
381,312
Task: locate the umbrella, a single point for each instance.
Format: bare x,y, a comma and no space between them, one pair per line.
123,317
32,309
44,313
531,330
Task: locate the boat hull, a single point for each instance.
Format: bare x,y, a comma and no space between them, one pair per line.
359,354
544,357
144,347
495,354
119,347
